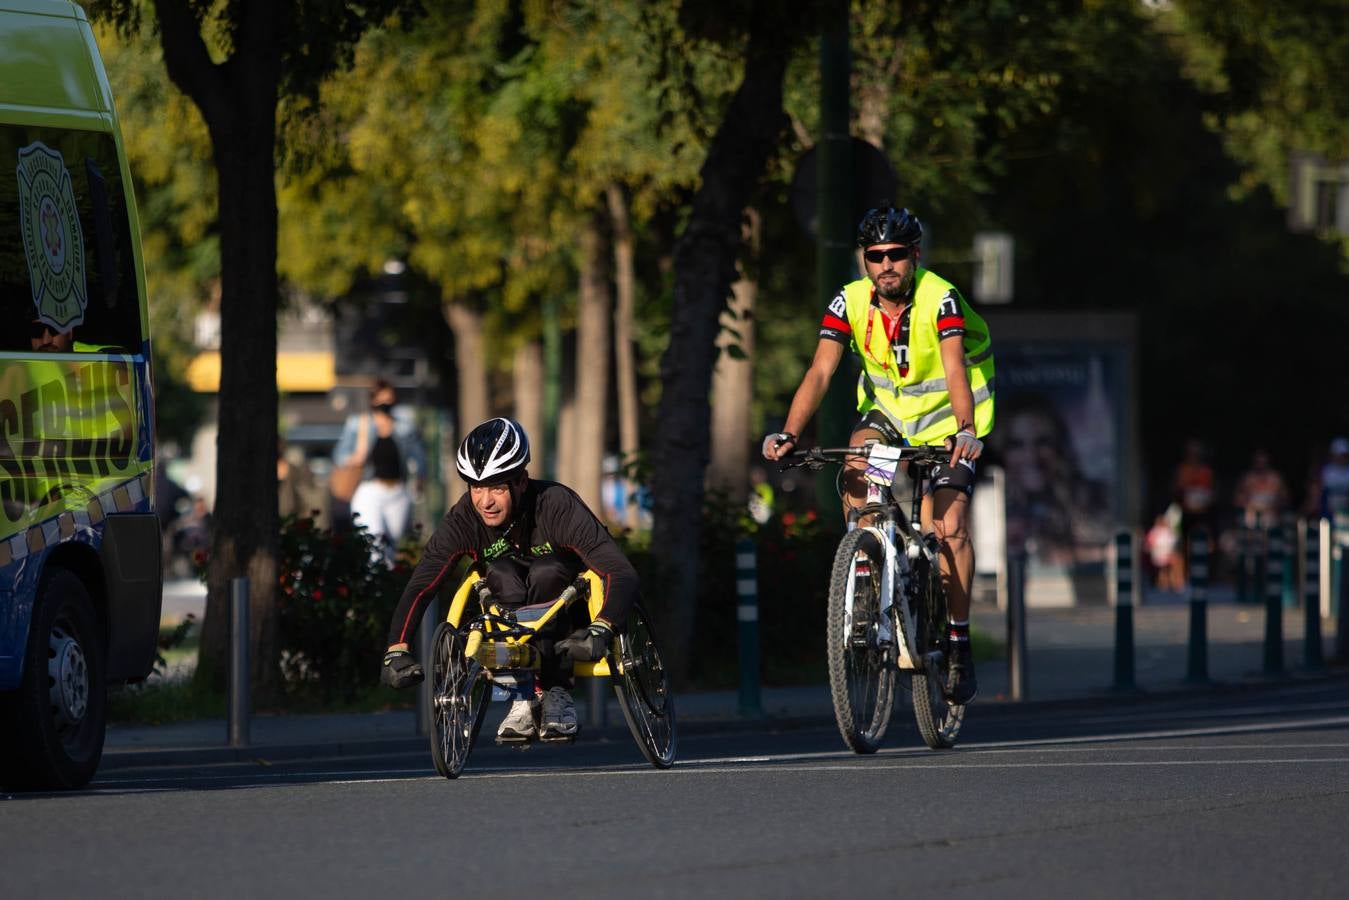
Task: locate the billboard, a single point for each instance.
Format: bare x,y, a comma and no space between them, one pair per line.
1065,438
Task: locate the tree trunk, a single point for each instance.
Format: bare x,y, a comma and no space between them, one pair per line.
237,99
527,387
733,379
566,438
592,363
625,359
470,364
705,256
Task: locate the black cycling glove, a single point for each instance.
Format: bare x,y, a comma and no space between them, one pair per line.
587,644
401,669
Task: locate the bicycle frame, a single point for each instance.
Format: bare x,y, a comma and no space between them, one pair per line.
882,466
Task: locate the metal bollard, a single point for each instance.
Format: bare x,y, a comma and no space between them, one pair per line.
1339,535
1274,602
1016,626
426,633
239,725
1197,658
747,618
1309,533
1124,610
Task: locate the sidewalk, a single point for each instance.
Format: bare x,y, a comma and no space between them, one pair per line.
1070,656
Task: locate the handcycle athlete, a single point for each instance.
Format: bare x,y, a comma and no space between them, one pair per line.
927,379
533,539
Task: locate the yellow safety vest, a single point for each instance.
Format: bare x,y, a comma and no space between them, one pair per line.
918,404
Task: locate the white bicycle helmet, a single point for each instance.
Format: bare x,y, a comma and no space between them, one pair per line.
494,451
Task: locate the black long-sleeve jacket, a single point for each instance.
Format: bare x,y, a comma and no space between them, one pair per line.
551,519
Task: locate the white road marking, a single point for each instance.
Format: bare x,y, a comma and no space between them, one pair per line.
888,759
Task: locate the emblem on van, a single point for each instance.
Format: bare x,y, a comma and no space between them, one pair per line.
52,240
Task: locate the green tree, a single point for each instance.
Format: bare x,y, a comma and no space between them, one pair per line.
1273,77
705,256
238,62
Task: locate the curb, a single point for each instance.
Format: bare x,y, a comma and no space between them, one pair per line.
123,759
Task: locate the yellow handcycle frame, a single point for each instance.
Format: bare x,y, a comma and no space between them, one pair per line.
493,658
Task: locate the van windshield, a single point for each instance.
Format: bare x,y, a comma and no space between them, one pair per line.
67,271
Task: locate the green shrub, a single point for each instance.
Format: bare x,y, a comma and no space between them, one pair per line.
336,599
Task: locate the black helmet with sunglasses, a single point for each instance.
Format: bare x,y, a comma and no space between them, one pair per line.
887,225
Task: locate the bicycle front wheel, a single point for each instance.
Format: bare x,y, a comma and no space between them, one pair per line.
939,720
643,689
861,675
459,697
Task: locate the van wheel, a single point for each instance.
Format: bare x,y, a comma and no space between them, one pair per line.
58,713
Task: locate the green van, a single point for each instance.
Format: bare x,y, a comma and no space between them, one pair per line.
80,572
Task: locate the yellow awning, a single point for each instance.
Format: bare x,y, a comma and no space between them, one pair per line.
295,372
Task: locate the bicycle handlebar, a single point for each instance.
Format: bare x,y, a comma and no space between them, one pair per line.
817,457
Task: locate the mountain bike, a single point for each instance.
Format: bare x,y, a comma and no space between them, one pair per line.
887,606
472,654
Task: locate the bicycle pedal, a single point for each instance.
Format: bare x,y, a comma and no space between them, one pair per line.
558,739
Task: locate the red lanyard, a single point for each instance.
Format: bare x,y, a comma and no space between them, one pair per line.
866,344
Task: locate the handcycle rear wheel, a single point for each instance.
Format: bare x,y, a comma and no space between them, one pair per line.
938,719
861,676
643,689
460,694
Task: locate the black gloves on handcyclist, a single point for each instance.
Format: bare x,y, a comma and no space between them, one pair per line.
401,669
587,644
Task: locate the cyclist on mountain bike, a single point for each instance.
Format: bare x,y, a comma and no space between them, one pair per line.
927,378
534,538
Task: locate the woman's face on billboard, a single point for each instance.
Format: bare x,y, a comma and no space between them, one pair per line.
1031,452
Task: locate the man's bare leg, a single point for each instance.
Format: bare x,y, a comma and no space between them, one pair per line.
948,515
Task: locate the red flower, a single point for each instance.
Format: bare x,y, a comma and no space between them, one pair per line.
199,557
318,594
342,591
789,519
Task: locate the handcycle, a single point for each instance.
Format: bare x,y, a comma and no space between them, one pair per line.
470,654
887,606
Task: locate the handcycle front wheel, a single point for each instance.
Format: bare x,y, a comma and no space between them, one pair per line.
939,720
861,674
460,694
644,691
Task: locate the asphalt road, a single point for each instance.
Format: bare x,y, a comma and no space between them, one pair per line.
1235,794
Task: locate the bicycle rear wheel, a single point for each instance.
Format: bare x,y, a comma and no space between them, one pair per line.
939,720
459,697
861,676
643,689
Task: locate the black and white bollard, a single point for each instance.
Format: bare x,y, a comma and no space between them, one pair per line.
1196,670
747,625
1310,532
239,724
1124,610
1274,560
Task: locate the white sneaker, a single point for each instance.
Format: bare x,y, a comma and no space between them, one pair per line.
559,715
519,723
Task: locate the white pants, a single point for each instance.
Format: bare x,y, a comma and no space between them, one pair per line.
385,510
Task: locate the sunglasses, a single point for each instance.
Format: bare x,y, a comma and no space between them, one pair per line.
894,254
40,329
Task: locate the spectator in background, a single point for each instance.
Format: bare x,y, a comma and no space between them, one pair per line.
394,458
1334,480
1261,494
294,482
1163,541
1194,488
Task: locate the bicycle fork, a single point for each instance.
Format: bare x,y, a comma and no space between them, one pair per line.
893,581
